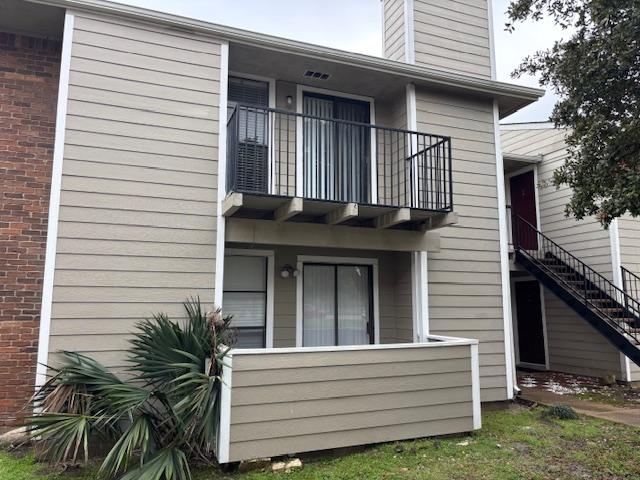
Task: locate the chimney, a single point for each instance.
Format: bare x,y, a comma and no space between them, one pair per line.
448,35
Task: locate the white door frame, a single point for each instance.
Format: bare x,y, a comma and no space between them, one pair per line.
300,89
514,313
302,259
270,256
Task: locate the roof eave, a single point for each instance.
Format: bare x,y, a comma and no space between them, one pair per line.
520,94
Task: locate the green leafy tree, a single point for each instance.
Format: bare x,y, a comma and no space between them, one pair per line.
597,74
164,416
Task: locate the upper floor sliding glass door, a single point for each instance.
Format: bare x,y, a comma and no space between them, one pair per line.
337,155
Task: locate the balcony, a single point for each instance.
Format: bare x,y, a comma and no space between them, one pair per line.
287,166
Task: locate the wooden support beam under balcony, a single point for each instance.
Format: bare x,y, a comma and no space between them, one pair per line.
386,220
289,210
231,204
439,221
342,214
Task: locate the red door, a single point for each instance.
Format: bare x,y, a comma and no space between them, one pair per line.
523,204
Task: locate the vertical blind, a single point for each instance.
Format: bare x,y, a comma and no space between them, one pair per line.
336,155
245,298
337,303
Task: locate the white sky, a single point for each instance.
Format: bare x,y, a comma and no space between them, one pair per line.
357,27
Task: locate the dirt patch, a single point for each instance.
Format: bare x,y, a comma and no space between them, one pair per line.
580,387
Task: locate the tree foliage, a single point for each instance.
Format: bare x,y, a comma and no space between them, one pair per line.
596,71
163,416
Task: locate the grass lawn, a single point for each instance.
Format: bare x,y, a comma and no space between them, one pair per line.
514,444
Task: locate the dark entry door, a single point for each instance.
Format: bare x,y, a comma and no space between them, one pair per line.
523,204
529,316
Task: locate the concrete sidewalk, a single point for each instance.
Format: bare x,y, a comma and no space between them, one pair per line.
625,415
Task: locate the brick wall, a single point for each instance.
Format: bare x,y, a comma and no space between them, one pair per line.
29,69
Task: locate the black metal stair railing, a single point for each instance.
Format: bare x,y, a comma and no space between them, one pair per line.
598,293
630,283
282,153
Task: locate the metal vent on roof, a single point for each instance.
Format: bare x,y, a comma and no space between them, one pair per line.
316,75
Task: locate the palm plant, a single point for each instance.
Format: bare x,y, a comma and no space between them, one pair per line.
158,420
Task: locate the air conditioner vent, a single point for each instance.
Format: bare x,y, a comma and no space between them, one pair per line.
316,75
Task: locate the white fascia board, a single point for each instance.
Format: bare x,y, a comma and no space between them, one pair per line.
54,202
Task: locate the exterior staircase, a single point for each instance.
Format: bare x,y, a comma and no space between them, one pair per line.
611,311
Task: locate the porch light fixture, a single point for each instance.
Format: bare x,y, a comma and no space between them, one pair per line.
289,100
288,271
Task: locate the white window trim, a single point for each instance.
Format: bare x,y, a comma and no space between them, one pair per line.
54,203
270,256
260,78
302,259
514,311
300,90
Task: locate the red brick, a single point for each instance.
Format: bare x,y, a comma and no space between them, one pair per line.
29,70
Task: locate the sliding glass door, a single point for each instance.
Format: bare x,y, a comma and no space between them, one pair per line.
336,154
337,305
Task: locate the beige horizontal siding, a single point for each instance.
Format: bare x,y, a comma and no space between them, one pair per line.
394,29
137,225
629,234
574,346
453,36
295,402
465,287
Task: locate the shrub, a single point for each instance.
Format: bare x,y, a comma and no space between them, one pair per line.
155,422
561,412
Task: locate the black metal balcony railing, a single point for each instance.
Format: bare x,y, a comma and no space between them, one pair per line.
280,153
630,283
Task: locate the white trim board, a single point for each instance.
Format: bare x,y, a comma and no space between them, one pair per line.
528,126
300,90
222,173
514,310
433,341
224,427
302,259
616,265
270,306
54,203
409,32
504,259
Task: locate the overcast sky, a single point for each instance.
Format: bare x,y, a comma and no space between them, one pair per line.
356,25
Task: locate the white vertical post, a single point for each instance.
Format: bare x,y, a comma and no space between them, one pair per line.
420,296
504,258
616,266
54,202
475,387
224,425
222,172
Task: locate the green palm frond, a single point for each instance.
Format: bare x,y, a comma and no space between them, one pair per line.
137,439
168,463
64,434
164,415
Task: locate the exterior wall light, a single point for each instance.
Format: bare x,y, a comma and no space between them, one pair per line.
288,271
